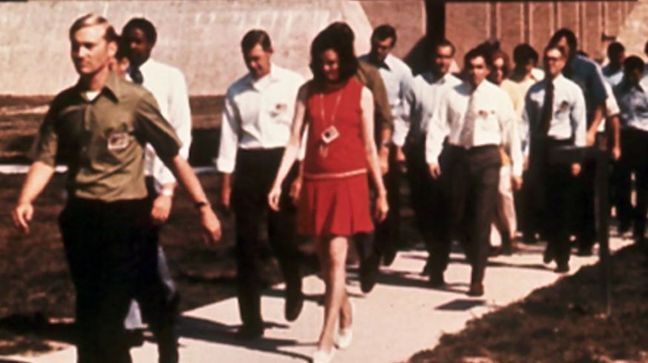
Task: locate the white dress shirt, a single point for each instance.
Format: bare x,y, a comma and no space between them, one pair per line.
424,99
258,114
569,112
398,80
490,121
168,86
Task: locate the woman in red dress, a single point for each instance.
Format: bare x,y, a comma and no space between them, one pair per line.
340,151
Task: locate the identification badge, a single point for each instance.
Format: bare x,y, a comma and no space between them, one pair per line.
118,141
330,134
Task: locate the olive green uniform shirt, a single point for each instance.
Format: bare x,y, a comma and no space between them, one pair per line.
102,141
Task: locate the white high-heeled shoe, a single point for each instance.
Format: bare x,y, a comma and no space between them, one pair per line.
322,356
344,336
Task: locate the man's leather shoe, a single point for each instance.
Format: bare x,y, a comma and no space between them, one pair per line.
250,332
294,304
368,272
476,289
584,251
436,280
562,267
135,337
548,254
389,256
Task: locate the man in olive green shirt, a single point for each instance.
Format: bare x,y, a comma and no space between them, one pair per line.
99,129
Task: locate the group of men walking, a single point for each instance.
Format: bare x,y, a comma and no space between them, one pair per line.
125,140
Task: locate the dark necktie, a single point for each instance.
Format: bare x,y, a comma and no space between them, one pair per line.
547,109
136,75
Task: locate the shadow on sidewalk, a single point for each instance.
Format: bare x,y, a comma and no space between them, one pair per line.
215,332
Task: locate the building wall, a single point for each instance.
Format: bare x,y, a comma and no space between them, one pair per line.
201,37
594,22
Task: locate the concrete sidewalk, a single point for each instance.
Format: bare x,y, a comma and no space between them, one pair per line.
400,317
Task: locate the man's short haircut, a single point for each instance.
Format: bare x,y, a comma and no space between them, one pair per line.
479,51
523,53
384,31
567,34
339,43
633,63
441,44
254,37
614,49
145,26
91,19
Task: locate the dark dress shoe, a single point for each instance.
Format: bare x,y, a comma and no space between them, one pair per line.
135,337
548,254
476,289
494,251
584,251
250,332
369,272
294,305
389,256
562,267
436,280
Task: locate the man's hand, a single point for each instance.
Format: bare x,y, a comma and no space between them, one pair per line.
616,153
210,224
383,159
273,198
295,190
591,137
22,216
382,207
435,171
401,159
517,182
161,209
575,169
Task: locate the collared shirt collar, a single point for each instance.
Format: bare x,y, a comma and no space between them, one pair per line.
559,78
110,88
260,83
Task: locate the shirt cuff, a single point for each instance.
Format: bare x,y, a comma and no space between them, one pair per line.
225,165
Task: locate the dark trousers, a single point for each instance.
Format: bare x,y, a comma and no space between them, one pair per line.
113,261
163,267
387,233
526,208
429,202
621,184
634,158
473,194
255,173
554,185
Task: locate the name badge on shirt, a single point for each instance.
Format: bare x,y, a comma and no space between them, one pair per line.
118,141
280,108
564,106
484,113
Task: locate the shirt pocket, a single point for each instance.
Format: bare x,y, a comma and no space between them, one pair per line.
561,110
486,117
279,110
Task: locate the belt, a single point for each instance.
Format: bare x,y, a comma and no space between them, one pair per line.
344,174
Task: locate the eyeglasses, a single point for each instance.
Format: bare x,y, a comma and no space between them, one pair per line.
552,59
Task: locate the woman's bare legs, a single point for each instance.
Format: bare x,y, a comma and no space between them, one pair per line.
332,253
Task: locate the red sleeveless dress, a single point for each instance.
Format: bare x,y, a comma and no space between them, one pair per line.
335,193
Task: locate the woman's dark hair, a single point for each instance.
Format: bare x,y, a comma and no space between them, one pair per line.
500,54
339,42
254,37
